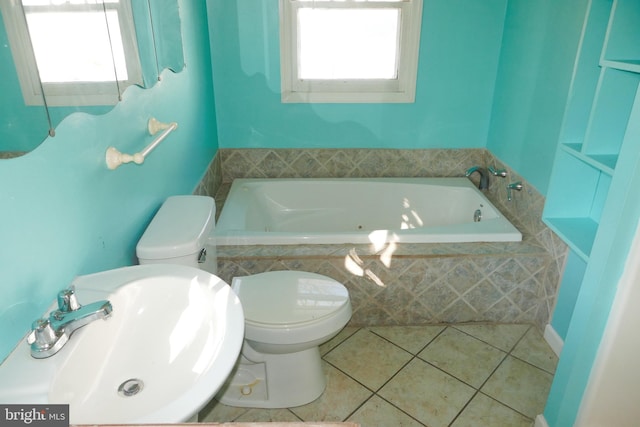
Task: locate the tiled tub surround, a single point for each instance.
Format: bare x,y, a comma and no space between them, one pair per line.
408,284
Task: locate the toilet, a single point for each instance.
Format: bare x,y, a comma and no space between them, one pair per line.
288,314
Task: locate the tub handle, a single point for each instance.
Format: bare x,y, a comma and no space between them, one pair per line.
498,172
513,186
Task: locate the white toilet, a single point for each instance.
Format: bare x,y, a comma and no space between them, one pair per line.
288,314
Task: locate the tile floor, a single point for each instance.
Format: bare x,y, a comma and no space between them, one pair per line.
455,375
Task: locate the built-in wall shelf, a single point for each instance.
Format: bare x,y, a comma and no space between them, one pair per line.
623,32
579,233
604,162
631,66
576,198
600,122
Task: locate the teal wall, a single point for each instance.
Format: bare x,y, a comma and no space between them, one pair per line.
459,53
492,73
568,294
538,52
64,213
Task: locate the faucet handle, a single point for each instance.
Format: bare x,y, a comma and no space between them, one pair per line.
498,172
513,186
42,334
67,301
44,339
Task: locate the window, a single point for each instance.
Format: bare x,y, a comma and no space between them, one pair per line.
349,50
74,50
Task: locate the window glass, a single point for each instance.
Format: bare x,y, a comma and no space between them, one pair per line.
62,56
362,44
349,50
76,52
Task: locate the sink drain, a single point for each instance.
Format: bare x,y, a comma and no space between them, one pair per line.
130,387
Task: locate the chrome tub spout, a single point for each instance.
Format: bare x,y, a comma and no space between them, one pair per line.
484,176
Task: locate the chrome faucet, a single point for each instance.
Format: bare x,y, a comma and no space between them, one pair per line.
49,335
517,186
498,172
484,176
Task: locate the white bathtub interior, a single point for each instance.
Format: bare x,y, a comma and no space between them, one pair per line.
359,210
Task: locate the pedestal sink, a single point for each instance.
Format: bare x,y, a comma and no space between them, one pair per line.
172,339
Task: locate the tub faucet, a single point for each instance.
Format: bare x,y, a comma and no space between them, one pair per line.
49,335
513,186
484,176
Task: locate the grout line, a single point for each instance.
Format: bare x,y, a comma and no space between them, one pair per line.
374,392
477,390
350,377
444,327
341,341
533,365
525,361
455,326
520,340
401,410
506,406
358,407
295,415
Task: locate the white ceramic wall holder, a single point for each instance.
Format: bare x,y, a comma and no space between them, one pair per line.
114,158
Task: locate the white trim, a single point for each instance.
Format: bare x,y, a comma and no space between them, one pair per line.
556,343
18,36
69,93
540,421
553,339
399,90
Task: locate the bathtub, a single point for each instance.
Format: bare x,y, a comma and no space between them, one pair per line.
359,211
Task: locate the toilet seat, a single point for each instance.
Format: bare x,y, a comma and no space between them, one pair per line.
290,307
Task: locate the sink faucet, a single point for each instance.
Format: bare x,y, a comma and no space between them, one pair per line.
484,176
49,335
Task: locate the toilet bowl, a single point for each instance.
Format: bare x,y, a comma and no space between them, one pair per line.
288,314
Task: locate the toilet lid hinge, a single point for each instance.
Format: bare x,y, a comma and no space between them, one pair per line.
203,256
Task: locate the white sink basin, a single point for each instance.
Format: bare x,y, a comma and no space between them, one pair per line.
171,341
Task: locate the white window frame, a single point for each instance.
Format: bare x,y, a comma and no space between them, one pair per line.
399,90
69,93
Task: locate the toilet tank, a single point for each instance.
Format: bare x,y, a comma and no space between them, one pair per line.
178,232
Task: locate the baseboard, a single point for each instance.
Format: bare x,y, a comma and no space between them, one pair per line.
553,339
556,343
540,421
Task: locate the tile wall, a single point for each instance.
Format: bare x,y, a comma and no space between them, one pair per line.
412,283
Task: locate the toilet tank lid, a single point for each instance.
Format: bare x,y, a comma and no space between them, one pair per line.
180,228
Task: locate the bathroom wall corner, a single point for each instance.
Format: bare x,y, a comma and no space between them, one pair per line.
212,178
